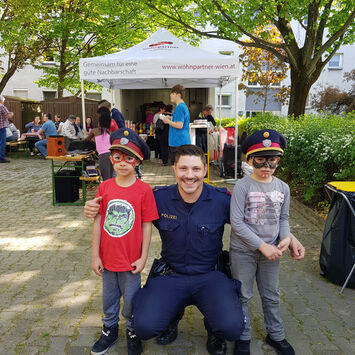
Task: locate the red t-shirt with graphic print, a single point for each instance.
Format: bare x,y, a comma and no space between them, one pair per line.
123,211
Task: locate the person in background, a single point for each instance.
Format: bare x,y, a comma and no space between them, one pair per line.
48,129
77,125
4,122
58,123
149,115
101,136
89,125
68,129
11,129
201,133
103,111
162,134
115,113
33,127
180,123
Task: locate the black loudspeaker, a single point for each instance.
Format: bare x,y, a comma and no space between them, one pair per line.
229,160
66,183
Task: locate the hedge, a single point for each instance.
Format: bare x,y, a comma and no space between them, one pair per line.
320,148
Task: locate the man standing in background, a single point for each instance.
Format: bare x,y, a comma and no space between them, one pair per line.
201,133
116,115
179,130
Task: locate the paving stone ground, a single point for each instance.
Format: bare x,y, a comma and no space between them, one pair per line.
50,301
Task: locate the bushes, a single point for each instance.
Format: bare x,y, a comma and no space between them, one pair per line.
319,149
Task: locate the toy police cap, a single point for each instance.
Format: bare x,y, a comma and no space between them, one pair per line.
265,142
128,141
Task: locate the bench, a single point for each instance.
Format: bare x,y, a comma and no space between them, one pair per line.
86,180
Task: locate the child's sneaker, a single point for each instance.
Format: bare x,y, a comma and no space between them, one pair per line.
108,337
134,345
283,347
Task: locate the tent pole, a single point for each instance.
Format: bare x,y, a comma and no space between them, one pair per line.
219,104
112,100
83,104
236,140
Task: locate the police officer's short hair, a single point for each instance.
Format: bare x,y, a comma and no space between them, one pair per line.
190,149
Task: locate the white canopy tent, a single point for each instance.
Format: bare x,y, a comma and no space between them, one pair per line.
161,61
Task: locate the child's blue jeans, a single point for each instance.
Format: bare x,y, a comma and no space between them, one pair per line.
115,285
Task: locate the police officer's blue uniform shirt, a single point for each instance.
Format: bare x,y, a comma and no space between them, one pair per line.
191,236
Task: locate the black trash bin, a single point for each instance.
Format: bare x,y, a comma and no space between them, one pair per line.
229,160
337,255
66,183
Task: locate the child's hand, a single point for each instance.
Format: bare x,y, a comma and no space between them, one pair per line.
97,266
91,208
284,243
138,266
270,252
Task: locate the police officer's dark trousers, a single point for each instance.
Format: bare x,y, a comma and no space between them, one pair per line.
157,304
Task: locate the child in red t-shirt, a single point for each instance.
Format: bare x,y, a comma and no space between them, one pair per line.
121,237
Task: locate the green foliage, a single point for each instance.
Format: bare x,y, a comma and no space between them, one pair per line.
306,48
319,149
230,122
85,29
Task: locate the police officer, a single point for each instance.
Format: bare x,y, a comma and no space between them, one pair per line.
191,243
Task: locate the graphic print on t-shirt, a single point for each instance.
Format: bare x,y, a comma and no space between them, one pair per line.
119,218
263,208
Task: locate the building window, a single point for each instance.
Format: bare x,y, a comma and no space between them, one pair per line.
93,95
253,83
336,62
48,95
226,52
23,93
226,100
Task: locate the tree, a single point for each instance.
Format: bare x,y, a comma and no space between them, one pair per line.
312,31
82,28
21,36
334,100
265,69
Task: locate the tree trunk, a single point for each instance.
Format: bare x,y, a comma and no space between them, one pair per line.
300,87
7,76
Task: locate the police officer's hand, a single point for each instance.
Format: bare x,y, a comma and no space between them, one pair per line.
91,208
270,252
297,250
138,265
96,265
284,243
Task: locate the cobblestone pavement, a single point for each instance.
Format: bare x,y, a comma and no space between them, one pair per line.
50,301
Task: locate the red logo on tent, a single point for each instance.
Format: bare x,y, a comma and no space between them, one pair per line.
160,43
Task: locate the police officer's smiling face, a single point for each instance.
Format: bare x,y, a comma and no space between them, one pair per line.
189,173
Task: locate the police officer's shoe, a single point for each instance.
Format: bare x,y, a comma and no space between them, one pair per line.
168,336
108,337
283,347
242,347
216,345
134,345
